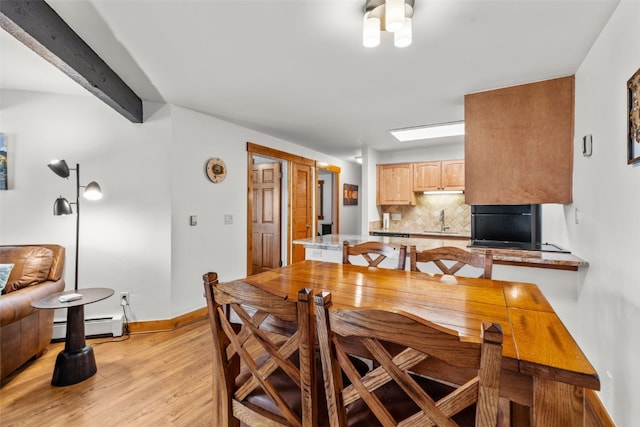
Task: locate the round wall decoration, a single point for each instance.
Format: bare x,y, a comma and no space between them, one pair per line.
216,170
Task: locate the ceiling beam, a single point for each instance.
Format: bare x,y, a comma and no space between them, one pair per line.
40,28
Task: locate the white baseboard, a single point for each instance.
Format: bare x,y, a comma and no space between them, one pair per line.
92,327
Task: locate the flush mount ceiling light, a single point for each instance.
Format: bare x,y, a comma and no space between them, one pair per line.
427,132
394,16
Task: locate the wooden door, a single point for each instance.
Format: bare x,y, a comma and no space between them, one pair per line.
302,216
265,229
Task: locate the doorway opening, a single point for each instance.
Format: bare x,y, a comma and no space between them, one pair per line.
328,199
284,205
285,197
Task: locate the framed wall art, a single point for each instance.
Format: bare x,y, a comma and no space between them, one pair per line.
350,195
633,113
4,178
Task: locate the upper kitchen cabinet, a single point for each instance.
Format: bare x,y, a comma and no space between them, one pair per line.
519,144
394,184
434,176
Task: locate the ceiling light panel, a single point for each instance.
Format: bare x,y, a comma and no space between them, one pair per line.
428,132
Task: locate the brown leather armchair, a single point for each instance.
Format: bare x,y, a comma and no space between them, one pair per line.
25,331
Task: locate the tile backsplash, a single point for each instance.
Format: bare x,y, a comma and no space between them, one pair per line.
424,216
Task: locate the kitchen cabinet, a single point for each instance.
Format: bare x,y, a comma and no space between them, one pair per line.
394,184
519,144
442,175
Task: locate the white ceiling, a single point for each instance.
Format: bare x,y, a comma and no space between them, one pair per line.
297,70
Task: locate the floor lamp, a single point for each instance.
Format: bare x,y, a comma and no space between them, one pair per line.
62,206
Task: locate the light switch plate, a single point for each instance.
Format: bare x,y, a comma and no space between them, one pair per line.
396,217
228,218
193,220
587,145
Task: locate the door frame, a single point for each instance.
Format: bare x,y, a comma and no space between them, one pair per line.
255,149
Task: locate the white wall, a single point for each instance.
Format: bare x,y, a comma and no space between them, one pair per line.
371,212
138,237
428,153
607,194
125,238
212,245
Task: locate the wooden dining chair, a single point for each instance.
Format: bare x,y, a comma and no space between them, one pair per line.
458,256
391,394
262,374
369,250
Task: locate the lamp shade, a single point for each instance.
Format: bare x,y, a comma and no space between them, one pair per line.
394,15
60,168
62,207
92,191
370,31
402,37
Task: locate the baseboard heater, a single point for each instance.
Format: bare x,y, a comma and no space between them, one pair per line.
93,328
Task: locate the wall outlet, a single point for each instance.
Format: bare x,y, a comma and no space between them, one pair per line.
124,298
396,217
228,218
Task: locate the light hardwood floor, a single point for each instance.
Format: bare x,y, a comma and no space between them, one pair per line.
151,379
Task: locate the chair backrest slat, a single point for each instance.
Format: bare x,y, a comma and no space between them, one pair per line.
460,256
391,393
374,253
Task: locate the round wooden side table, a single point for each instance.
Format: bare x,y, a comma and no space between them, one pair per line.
76,362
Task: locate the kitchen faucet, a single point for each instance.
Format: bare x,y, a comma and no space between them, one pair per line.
442,226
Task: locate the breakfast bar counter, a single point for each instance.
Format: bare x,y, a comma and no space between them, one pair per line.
318,248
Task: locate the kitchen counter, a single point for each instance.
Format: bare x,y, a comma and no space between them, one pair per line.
550,260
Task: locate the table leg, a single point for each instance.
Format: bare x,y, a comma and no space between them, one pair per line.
557,404
76,362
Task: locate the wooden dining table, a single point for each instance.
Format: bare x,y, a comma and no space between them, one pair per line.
544,371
